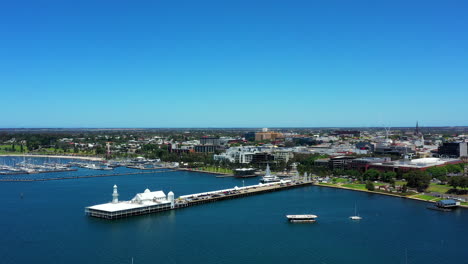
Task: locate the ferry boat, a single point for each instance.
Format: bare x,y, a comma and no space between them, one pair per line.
269,178
244,173
302,218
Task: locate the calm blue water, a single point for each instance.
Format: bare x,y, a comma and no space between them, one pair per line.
48,225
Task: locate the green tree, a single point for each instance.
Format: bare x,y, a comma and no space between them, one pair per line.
370,186
371,175
418,179
437,172
388,176
463,182
392,183
353,173
454,168
455,182
100,150
404,188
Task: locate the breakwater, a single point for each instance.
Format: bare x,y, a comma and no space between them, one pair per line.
83,176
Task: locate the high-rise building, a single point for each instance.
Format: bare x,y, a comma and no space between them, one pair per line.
453,149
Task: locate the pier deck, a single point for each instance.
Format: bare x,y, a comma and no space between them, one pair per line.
245,191
85,176
196,199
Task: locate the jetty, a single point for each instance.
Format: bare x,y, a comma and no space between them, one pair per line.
150,202
23,179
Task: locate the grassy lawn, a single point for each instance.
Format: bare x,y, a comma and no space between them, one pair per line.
381,184
6,149
341,180
401,183
426,197
358,186
216,169
438,188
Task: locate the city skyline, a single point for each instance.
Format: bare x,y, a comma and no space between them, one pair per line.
239,64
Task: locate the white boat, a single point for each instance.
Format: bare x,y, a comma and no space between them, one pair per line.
268,178
302,218
106,168
356,215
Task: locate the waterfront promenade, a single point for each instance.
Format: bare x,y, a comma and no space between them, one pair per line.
381,193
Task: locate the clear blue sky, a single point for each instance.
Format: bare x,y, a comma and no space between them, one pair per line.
233,63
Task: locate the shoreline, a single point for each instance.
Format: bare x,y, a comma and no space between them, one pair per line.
53,156
208,172
382,193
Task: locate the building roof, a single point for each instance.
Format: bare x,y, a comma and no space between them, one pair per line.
111,207
245,169
447,202
148,195
418,163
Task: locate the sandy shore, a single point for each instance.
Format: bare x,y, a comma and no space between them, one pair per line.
53,156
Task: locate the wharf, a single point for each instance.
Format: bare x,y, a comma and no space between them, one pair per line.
245,191
80,177
35,172
151,205
147,168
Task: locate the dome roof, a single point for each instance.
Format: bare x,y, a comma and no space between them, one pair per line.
147,191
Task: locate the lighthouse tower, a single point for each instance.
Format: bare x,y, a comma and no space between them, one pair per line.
170,197
115,195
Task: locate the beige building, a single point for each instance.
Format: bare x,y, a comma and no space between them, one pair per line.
259,136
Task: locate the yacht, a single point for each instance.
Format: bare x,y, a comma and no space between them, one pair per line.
268,178
355,216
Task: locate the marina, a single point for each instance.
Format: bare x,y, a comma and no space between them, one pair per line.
194,228
82,176
30,169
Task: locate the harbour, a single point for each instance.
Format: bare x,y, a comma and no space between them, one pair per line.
81,177
243,224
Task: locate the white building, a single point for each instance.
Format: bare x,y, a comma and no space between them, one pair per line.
143,203
149,197
242,155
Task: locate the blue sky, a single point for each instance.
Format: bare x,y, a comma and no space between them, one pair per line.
233,63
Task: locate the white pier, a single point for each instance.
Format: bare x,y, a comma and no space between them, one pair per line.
150,202
143,203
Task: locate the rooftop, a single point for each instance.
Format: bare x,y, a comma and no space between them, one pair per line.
121,206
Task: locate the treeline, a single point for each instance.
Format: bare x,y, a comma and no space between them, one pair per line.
459,181
154,151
